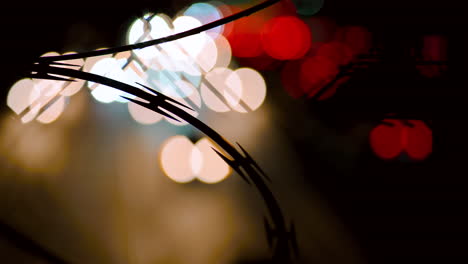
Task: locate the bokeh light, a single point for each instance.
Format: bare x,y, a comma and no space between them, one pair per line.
176,160
286,38
224,52
182,161
192,45
110,68
385,139
90,61
244,36
434,48
196,160
19,94
139,32
336,51
315,73
193,100
213,168
142,114
253,90
308,7
205,13
51,113
208,56
74,86
221,88
42,99
389,139
357,38
290,79
418,140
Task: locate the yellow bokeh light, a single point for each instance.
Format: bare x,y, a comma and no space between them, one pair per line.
175,159
253,90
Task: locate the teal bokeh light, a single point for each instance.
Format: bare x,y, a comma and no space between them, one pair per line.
308,7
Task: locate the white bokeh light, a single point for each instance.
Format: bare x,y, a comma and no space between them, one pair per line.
213,169
109,67
221,85
253,90
176,159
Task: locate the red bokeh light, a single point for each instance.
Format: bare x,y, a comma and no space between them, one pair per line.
388,140
286,38
245,45
290,79
385,139
315,73
260,63
244,35
419,140
357,38
434,49
336,51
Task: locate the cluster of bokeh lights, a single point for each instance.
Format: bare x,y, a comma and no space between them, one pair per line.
194,70
394,137
182,161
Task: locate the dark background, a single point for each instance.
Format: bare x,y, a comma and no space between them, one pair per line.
400,212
